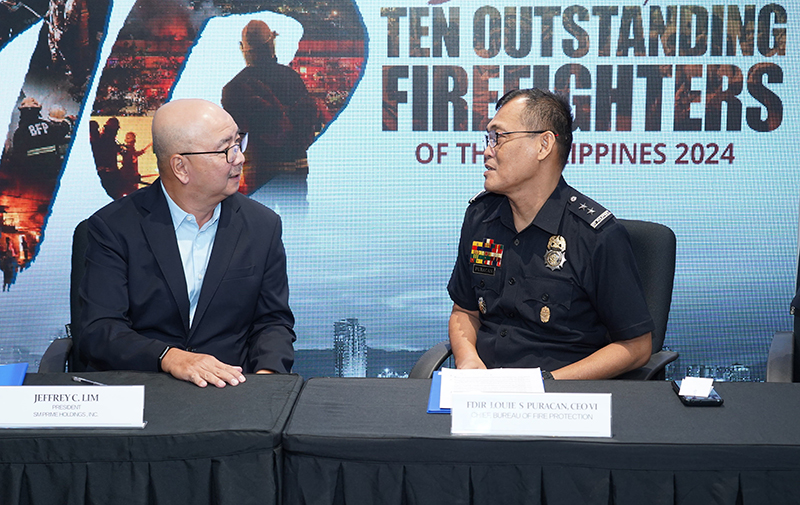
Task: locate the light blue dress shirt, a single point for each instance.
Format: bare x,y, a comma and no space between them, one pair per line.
195,246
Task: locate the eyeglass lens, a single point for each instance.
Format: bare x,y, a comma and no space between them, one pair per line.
490,139
235,149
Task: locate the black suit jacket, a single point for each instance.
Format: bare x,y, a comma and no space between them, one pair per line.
135,300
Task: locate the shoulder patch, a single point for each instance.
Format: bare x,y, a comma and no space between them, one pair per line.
478,196
588,210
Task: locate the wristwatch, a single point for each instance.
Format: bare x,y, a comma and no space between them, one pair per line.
163,353
545,375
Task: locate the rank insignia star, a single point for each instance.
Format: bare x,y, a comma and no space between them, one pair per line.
589,210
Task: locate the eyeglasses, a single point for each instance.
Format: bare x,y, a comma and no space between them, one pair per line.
492,135
231,152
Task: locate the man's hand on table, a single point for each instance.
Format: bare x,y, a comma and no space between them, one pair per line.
200,369
473,362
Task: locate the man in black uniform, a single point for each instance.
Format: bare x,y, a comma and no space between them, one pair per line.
270,102
545,277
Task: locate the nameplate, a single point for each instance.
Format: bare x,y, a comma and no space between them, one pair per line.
532,414
72,407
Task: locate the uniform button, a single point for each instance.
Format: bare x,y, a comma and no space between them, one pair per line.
511,314
545,297
503,333
482,284
512,281
516,241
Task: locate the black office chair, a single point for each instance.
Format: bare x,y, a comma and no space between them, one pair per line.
61,354
783,361
654,249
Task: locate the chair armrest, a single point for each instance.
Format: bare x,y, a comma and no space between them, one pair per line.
780,361
654,369
431,361
54,359
436,355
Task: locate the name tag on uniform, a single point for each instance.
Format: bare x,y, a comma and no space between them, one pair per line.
72,407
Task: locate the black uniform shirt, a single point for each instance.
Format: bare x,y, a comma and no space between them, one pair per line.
532,316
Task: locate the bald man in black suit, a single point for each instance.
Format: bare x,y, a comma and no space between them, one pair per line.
188,276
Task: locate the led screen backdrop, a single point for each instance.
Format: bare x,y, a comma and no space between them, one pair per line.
685,114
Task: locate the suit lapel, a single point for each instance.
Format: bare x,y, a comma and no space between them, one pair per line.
228,231
160,234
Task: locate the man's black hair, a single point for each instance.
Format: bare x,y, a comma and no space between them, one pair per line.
545,110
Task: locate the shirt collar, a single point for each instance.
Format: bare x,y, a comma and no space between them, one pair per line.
549,216
179,215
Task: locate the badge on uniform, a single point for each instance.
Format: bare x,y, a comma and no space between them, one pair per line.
544,314
555,257
482,305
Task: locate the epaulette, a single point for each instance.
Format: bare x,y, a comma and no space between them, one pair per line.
478,196
589,210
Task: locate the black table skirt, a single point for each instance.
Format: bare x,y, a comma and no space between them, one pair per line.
235,479
313,480
370,441
200,446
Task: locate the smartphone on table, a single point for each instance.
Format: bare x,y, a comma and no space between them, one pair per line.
713,399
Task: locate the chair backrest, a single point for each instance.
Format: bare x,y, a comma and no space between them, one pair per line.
80,240
654,248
